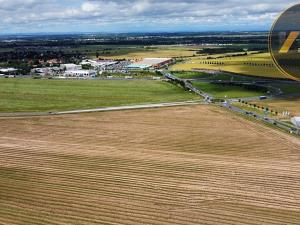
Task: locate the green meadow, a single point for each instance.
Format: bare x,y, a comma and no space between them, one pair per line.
30,95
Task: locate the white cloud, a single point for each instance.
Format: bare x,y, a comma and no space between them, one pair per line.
141,6
26,14
90,7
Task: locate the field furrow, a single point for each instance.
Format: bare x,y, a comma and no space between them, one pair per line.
183,165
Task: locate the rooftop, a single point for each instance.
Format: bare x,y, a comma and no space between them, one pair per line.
296,121
148,62
153,61
138,65
5,70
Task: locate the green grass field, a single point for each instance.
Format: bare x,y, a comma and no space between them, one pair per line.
207,76
289,88
29,95
220,91
190,74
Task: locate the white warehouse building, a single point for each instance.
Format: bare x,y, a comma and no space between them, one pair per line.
99,63
80,73
70,67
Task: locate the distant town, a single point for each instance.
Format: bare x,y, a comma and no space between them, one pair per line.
94,55
88,69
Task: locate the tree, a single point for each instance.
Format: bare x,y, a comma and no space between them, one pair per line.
87,67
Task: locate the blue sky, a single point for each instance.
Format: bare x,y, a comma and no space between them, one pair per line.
32,16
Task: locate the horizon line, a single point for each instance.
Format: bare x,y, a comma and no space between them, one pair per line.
133,32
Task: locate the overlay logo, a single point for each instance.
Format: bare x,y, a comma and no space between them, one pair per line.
284,42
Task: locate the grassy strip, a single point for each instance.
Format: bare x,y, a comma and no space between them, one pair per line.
220,91
27,95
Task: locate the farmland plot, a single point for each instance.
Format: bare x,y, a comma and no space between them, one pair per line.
256,65
183,165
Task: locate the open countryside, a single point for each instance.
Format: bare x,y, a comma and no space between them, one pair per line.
159,166
136,52
28,95
147,112
253,64
227,91
166,164
281,105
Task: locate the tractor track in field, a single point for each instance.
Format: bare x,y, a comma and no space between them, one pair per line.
176,165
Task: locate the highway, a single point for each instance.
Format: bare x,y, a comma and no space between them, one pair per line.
208,99
189,86
287,127
227,104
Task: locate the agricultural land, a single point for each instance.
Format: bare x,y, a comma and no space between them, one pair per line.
158,166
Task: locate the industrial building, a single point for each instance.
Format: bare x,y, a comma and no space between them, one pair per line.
99,64
138,66
45,71
70,66
80,73
8,70
147,63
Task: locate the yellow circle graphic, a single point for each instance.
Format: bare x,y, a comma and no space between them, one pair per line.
284,42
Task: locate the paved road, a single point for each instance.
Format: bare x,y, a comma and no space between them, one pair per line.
284,126
188,85
208,100
227,104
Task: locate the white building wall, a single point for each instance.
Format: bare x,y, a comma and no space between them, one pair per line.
80,73
70,67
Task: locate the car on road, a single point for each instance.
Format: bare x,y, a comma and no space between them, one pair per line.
263,97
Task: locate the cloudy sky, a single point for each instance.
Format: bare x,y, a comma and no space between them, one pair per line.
31,16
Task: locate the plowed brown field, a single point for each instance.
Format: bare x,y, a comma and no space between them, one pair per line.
184,165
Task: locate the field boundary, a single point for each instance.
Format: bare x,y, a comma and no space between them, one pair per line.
106,109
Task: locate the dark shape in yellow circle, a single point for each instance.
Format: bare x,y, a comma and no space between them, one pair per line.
284,42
